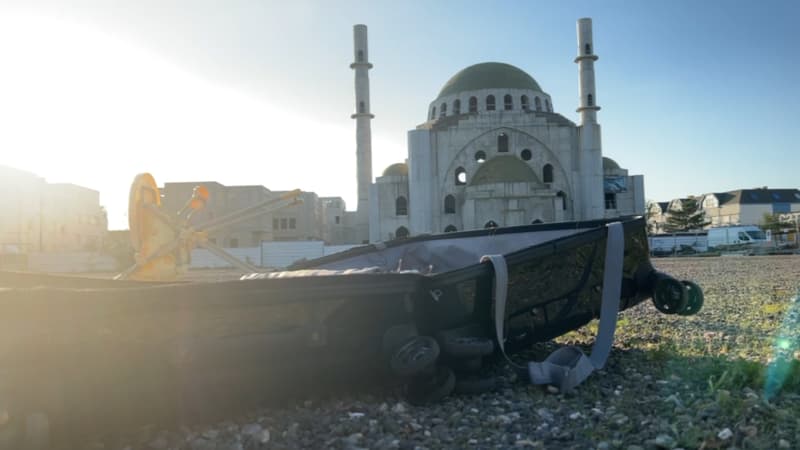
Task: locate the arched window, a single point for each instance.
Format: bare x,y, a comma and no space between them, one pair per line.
490,224
490,102
401,206
587,48
473,104
524,101
360,57
450,229
449,204
443,110
525,154
461,176
457,106
508,102
537,221
433,113
547,105
480,156
401,233
590,100
362,108
502,142
547,173
563,198
537,102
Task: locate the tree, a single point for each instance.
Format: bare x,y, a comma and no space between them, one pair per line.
652,225
689,217
773,223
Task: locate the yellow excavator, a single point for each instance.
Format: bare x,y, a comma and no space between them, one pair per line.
163,241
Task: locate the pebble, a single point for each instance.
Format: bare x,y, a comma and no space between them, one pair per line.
725,434
783,443
552,389
665,441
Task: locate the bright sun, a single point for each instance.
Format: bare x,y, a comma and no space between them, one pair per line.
86,107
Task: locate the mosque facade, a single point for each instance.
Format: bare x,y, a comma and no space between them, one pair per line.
493,152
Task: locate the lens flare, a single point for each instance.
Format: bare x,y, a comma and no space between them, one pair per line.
786,344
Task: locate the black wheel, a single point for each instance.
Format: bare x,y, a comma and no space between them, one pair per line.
475,385
427,390
669,296
695,299
417,355
466,365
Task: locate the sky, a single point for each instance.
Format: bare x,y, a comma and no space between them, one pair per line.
696,96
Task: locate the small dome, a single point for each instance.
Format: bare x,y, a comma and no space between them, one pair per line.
396,170
504,169
490,75
609,164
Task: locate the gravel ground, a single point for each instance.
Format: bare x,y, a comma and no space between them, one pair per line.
708,381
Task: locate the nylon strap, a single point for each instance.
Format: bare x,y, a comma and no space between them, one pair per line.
568,366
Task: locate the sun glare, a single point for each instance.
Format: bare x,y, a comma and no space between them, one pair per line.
90,108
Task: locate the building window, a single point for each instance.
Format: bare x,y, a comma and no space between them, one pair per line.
292,223
490,224
337,219
362,108
449,204
473,104
450,229
547,105
401,206
525,155
563,198
537,221
537,103
480,156
587,49
360,57
461,176
443,110
274,224
433,113
502,142
284,224
611,200
457,107
233,243
401,233
524,101
490,102
508,102
547,173
590,100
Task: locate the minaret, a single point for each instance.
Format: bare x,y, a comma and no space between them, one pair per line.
363,132
589,130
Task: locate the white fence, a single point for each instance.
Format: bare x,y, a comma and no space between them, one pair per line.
71,262
279,255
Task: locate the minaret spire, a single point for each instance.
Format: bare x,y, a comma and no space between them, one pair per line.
591,154
363,116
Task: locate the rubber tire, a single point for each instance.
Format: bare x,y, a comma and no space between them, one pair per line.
424,391
417,355
475,385
670,295
695,299
465,346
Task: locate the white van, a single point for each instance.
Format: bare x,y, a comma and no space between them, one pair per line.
738,236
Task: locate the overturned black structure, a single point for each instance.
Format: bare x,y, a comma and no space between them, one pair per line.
79,355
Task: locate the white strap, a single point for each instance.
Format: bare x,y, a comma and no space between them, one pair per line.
568,366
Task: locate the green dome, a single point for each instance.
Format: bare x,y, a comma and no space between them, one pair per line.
609,164
504,169
490,75
396,170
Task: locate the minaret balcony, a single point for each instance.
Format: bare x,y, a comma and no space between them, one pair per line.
356,65
580,58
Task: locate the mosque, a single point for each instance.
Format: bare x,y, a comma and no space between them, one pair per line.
492,152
